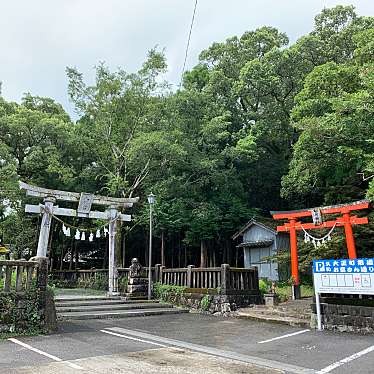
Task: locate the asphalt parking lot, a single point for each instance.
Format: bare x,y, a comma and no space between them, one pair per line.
279,348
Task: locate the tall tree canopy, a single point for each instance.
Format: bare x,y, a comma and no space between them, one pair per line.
258,124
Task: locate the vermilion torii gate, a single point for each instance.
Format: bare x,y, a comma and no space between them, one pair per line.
345,220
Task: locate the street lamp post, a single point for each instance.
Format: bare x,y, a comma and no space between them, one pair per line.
151,201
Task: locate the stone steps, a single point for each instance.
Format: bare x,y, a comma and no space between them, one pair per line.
63,303
86,307
111,307
86,298
119,314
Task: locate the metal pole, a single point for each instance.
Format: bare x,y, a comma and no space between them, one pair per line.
150,255
318,307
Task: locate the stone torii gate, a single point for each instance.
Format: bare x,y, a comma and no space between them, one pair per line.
85,201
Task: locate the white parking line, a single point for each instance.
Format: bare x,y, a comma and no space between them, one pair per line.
283,336
132,338
258,361
36,350
337,364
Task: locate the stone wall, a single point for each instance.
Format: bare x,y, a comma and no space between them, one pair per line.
216,303
27,308
346,318
22,313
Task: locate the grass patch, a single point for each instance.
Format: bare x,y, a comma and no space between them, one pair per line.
284,292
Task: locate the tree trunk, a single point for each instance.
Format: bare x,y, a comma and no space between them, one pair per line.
162,247
124,249
62,257
224,253
172,250
203,254
228,251
105,258
214,258
76,256
185,255
72,245
118,243
146,241
179,251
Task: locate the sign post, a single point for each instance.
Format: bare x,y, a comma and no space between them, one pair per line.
346,276
318,307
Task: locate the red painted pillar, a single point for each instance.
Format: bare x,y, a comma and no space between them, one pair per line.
294,258
349,236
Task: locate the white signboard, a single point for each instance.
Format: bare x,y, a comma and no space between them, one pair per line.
344,276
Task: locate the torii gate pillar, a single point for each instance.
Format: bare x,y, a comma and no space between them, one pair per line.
45,227
113,273
350,240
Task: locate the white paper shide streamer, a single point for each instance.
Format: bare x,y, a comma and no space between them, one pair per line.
317,242
81,234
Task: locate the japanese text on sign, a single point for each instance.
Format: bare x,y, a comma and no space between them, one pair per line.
348,276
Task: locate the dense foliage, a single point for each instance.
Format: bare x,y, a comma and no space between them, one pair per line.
258,124
20,313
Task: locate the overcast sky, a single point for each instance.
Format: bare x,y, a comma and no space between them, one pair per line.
39,38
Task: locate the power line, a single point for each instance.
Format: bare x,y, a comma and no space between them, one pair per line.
188,42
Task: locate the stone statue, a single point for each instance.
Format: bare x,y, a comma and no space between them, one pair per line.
135,269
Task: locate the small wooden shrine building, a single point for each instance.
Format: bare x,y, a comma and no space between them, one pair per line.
259,241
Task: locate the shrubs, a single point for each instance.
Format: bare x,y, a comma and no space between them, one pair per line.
98,282
283,289
168,293
62,283
264,286
174,294
205,302
122,284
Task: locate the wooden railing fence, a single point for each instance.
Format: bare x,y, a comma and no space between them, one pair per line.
226,279
75,275
17,275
